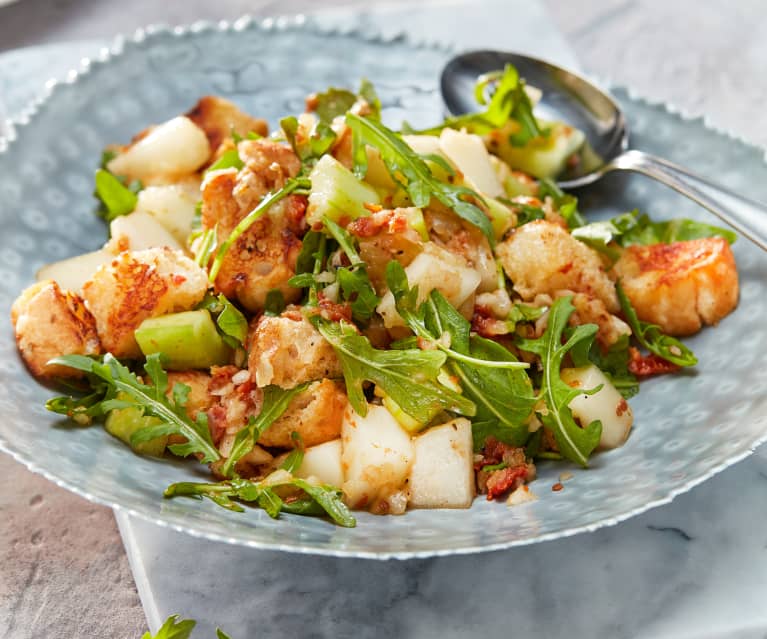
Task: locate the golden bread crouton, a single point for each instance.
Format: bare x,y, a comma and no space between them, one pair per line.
315,414
590,310
218,118
50,322
136,285
680,286
542,258
288,351
199,398
264,257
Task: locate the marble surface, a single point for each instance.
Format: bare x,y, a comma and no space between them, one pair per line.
696,568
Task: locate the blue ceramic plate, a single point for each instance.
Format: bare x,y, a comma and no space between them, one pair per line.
688,427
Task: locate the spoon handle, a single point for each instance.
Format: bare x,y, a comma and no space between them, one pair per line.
747,217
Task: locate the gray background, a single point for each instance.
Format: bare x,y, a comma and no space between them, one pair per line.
60,556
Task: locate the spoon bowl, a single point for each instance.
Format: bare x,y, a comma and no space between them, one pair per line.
569,97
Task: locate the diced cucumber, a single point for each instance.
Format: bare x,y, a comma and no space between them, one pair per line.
544,156
187,340
337,193
501,217
123,422
416,222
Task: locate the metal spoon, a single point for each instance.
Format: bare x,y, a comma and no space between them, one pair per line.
570,98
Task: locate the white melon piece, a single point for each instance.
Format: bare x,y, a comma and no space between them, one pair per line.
443,475
324,463
377,456
469,154
173,206
72,273
607,405
177,147
434,268
140,230
424,144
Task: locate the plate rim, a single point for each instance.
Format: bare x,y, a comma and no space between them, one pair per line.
117,49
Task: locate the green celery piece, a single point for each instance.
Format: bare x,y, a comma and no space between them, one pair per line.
407,376
117,198
123,422
652,338
117,378
337,193
275,402
231,323
574,442
319,142
186,340
173,628
402,161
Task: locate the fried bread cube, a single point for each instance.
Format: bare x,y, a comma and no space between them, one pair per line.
680,286
288,351
50,322
136,285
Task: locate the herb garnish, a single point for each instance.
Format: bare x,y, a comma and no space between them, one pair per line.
652,338
574,442
406,166
110,377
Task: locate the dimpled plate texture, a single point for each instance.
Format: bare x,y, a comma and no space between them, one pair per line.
688,426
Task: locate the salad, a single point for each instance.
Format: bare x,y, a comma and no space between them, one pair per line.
339,316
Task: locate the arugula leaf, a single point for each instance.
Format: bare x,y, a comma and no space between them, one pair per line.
308,149
614,364
421,185
332,103
230,321
220,634
117,199
504,396
635,228
173,628
566,204
328,498
408,376
296,456
508,102
368,93
274,304
151,400
274,403
354,282
652,338
357,289
229,160
293,185
574,442
206,246
441,318
523,313
645,231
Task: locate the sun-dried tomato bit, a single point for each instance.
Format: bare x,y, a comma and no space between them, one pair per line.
647,365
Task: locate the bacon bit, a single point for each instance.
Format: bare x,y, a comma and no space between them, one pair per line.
501,481
485,325
334,312
621,408
366,226
312,102
294,211
373,208
217,423
647,365
557,487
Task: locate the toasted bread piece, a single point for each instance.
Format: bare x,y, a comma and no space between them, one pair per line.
49,323
680,286
218,118
288,351
137,285
315,414
542,258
